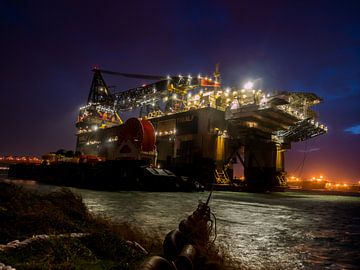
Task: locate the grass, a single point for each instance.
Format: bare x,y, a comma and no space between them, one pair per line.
24,213
105,245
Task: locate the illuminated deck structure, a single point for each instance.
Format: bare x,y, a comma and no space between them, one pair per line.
201,128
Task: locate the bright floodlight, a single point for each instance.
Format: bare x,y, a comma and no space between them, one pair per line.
249,85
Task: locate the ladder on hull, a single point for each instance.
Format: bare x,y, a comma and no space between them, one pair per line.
222,177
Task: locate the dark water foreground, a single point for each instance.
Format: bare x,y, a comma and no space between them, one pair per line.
288,230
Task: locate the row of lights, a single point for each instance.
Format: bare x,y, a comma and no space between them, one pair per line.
301,116
318,125
321,178
16,158
98,107
93,142
337,185
83,130
292,111
165,133
113,139
190,77
102,108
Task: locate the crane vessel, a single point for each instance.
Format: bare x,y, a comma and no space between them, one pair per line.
194,127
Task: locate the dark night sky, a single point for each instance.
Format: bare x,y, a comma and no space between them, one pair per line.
48,48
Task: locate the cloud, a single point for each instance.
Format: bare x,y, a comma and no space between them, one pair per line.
310,150
353,130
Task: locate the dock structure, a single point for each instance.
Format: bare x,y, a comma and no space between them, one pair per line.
196,128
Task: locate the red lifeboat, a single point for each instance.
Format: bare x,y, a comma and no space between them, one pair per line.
140,132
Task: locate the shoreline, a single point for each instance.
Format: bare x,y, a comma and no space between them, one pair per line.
56,230
26,182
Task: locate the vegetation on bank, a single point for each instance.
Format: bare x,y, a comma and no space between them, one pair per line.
56,231
99,243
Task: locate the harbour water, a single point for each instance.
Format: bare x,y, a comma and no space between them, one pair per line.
289,230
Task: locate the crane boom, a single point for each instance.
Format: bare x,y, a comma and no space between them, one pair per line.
131,75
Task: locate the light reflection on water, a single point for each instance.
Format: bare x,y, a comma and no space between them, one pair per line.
263,231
